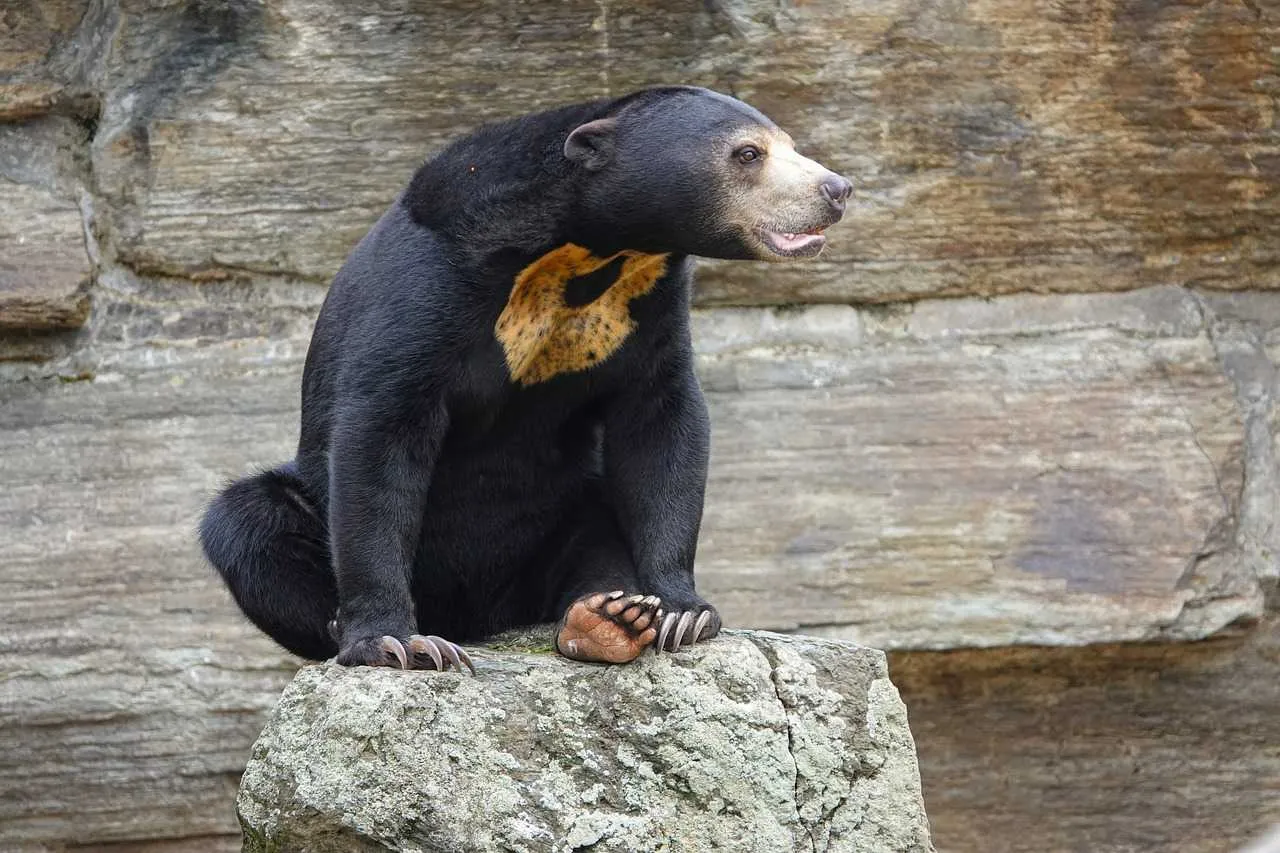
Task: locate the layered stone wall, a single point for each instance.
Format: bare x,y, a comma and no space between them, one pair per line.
1026,398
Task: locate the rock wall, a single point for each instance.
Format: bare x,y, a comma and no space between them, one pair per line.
1110,747
1077,446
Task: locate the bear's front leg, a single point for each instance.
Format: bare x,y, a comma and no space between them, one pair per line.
383,456
656,445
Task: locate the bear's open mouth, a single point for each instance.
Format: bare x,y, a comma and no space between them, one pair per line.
793,244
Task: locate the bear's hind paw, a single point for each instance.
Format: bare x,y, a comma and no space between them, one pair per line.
608,627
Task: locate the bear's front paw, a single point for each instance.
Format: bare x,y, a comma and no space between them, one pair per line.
412,652
681,628
608,627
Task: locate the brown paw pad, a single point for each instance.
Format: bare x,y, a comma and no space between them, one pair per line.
608,627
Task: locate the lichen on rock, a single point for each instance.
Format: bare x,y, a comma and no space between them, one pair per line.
753,742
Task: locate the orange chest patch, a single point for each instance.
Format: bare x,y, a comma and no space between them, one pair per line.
543,335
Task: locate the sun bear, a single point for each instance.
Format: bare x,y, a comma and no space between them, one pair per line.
501,424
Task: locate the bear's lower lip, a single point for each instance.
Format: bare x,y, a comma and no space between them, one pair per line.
793,245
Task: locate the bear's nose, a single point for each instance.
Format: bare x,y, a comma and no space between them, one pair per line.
836,191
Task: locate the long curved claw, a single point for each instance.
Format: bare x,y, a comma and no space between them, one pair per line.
442,653
644,616
668,622
466,659
704,619
392,646
424,645
456,655
682,630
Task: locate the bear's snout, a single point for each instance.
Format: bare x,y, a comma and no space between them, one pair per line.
836,190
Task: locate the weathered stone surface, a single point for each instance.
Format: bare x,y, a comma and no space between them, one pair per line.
965,473
1110,749
44,272
44,264
753,742
1063,467
131,692
49,55
1269,843
996,146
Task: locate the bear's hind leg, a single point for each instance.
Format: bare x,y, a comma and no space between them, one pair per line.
603,616
606,613
268,541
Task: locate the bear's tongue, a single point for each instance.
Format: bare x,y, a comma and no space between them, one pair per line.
788,242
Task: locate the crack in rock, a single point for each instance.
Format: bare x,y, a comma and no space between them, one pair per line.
791,742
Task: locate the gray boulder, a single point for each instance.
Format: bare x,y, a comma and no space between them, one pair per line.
752,742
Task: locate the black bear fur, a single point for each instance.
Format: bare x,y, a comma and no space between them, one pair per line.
431,492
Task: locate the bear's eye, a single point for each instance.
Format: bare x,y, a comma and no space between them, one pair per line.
747,154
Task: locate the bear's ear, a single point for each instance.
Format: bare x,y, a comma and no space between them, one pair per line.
591,144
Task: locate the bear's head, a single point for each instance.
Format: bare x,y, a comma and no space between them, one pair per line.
695,172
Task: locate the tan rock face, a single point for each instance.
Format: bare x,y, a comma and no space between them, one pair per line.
47,52
1064,469
1027,750
44,272
995,148
1061,469
44,258
1059,488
